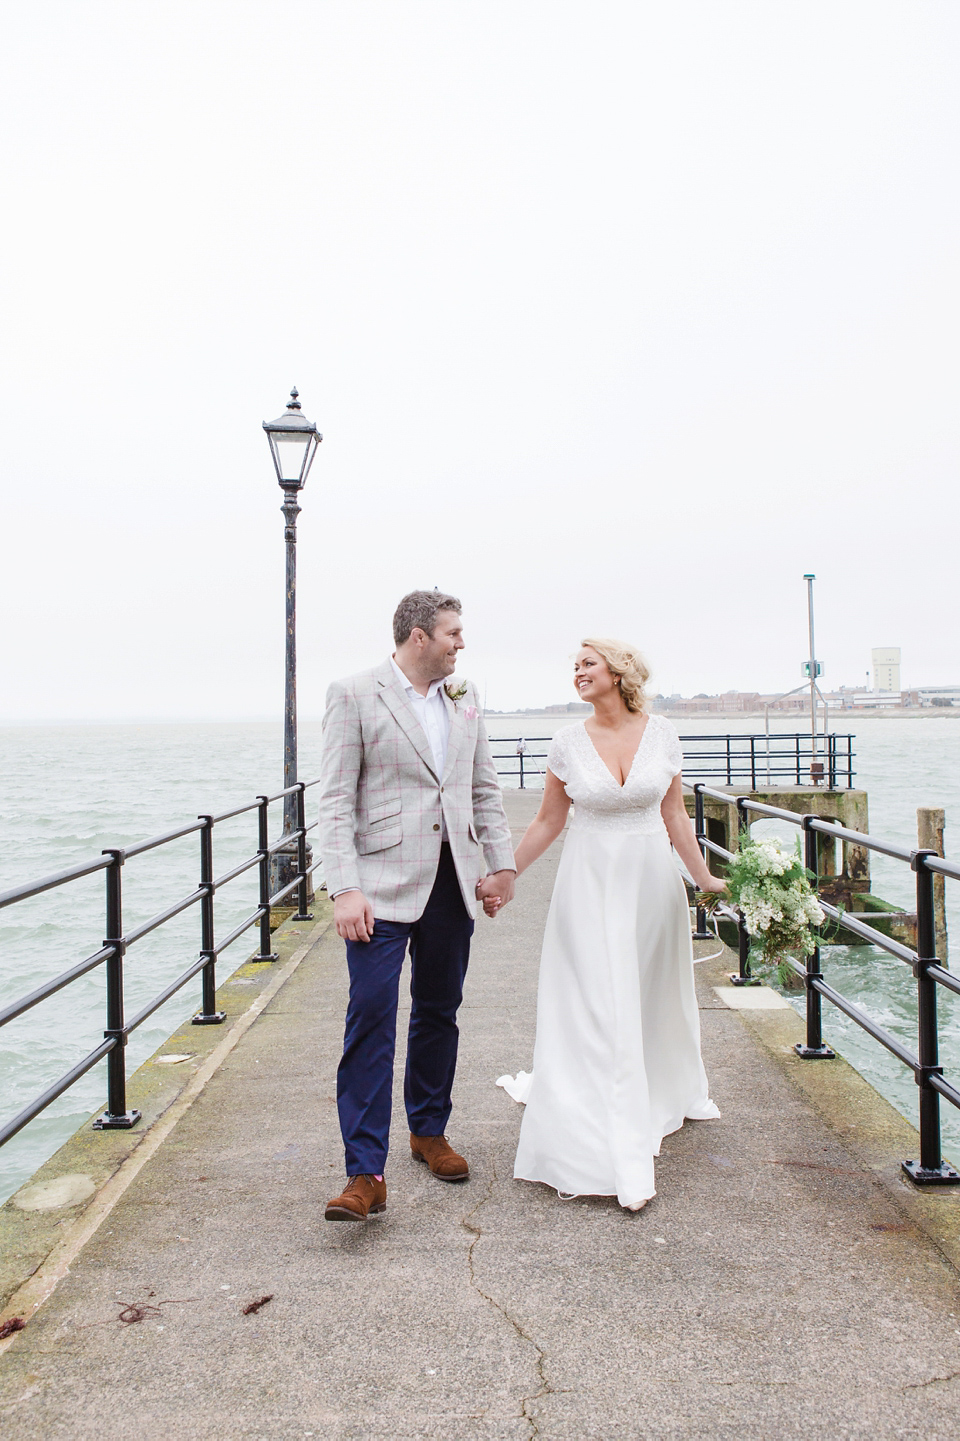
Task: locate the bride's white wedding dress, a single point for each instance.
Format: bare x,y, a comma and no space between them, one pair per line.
616,1064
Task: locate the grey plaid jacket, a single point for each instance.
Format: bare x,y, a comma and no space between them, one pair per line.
382,804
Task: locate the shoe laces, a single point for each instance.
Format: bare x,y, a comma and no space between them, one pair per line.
354,1181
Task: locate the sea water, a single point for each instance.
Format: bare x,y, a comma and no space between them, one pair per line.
70,791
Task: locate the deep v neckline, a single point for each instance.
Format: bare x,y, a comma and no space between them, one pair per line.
620,785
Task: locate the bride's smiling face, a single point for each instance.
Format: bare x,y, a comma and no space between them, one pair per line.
592,677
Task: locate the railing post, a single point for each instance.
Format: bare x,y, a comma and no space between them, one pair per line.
813,1049
743,976
263,835
521,770
116,1117
930,1170
302,913
729,779
208,1014
701,933
753,763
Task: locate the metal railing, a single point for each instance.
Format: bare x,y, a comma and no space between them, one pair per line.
116,944
526,759
763,760
756,761
924,962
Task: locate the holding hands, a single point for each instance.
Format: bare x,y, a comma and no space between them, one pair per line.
496,890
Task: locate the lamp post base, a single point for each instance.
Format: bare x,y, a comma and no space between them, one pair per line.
284,869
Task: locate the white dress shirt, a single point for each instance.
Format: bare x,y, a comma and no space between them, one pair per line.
433,717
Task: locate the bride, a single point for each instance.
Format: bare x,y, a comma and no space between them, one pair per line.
616,1064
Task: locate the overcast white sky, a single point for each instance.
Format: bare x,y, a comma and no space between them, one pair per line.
616,318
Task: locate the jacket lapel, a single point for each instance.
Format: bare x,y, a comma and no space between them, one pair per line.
458,731
396,702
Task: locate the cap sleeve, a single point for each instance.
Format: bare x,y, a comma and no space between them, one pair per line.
557,757
671,745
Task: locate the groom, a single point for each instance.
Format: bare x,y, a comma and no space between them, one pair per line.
409,796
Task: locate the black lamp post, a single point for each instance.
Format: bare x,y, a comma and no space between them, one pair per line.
293,444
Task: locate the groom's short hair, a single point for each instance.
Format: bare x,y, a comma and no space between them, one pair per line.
420,608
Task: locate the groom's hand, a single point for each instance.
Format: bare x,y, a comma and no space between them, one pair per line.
353,916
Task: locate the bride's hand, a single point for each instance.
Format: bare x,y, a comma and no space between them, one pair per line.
717,887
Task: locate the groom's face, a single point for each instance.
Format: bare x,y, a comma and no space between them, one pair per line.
439,654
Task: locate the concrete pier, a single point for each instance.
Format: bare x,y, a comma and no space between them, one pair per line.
785,1280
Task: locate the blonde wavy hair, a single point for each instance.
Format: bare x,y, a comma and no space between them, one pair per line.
626,662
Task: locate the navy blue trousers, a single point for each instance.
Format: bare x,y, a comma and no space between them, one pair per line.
439,950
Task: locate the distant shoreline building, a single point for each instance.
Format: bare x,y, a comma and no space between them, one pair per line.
847,698
886,668
884,696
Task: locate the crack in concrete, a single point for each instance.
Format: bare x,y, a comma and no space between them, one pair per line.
931,1381
541,1356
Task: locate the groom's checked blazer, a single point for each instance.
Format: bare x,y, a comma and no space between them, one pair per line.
383,807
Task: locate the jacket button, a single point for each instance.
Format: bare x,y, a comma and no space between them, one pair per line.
441,790
436,828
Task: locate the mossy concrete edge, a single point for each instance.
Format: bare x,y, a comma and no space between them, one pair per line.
37,1247
872,1130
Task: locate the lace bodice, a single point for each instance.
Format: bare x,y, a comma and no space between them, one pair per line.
600,803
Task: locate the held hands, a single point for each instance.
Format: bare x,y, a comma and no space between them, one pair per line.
353,916
496,890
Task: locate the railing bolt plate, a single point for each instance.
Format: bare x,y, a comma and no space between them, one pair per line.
106,1122
944,1175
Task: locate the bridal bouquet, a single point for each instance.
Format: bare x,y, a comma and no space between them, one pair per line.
771,886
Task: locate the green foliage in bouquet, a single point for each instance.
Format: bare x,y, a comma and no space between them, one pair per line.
772,888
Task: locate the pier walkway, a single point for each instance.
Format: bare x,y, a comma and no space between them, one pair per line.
784,1281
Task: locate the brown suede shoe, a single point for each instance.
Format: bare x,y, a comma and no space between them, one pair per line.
362,1196
440,1156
